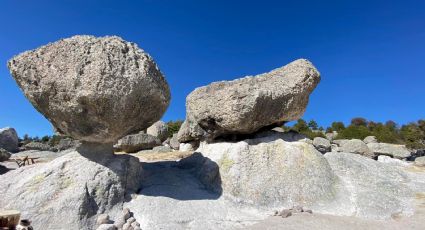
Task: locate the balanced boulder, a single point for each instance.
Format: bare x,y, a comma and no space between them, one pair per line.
9,139
245,105
95,89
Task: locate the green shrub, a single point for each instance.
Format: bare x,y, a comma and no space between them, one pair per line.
354,132
174,127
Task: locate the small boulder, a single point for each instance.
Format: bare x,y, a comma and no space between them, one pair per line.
393,150
4,155
9,139
174,142
420,161
355,146
188,147
370,139
322,145
136,142
103,219
158,129
331,136
162,149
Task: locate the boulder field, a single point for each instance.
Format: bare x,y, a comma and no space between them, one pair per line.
104,90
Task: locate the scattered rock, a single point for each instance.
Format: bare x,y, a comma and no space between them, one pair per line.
395,151
392,161
370,139
420,161
174,142
94,89
4,155
322,145
136,142
158,129
81,182
294,210
355,146
38,146
243,106
9,139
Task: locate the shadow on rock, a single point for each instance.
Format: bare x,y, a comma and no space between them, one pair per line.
193,178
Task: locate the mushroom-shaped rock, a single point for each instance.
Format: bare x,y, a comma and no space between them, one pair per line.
95,89
243,106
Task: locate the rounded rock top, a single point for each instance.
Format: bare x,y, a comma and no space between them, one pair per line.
95,89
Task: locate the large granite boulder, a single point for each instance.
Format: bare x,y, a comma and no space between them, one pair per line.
158,129
420,161
95,89
136,142
355,146
323,145
393,150
174,142
4,155
9,139
72,190
244,106
269,171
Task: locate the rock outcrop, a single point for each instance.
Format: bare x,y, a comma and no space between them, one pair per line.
268,171
95,89
9,139
396,151
136,142
246,105
72,190
158,129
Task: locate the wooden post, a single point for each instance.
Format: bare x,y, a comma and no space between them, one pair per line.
9,218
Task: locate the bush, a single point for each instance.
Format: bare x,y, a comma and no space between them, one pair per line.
174,127
359,121
354,132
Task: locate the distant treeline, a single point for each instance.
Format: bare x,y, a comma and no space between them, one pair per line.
411,134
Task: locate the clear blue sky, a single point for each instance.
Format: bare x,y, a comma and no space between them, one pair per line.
371,54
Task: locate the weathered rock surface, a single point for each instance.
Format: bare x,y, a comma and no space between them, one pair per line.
187,147
71,190
158,129
370,139
267,171
322,145
38,146
369,189
9,139
243,106
136,142
396,151
392,161
420,161
95,89
355,146
4,155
